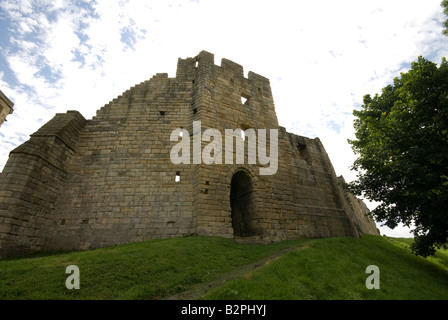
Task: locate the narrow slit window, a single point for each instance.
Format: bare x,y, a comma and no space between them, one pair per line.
177,179
162,113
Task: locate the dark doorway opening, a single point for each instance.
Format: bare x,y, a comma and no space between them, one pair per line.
241,201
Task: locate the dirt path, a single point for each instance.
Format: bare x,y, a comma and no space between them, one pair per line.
244,271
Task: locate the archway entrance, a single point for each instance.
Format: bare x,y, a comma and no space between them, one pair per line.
241,201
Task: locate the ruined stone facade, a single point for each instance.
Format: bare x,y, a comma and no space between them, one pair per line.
6,107
81,184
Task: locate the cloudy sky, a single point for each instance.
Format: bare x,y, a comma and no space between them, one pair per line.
321,57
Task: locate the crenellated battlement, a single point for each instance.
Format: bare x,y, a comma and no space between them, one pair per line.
204,62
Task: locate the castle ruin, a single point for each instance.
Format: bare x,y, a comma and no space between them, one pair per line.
80,184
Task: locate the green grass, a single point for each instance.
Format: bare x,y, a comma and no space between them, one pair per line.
440,258
149,270
335,269
322,269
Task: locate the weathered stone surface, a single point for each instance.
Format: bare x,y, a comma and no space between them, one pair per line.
6,107
81,184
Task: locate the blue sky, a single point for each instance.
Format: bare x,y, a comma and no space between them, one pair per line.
322,57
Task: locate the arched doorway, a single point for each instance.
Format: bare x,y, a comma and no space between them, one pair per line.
241,201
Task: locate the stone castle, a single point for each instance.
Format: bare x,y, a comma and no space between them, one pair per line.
80,184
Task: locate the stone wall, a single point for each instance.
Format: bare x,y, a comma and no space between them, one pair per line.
81,184
6,107
121,185
32,181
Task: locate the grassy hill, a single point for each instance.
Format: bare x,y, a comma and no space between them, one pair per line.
217,268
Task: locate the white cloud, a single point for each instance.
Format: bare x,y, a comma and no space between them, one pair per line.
321,57
400,231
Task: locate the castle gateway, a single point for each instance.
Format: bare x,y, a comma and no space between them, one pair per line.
80,184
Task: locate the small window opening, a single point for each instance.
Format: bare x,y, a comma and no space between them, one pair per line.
177,179
301,146
196,63
195,110
245,99
162,113
193,81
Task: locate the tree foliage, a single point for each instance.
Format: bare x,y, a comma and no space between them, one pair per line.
402,142
444,5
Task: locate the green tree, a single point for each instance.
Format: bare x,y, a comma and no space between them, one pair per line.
444,5
402,142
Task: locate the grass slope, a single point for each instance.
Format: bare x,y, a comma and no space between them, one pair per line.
335,269
301,269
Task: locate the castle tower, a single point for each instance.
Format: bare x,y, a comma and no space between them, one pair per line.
80,184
